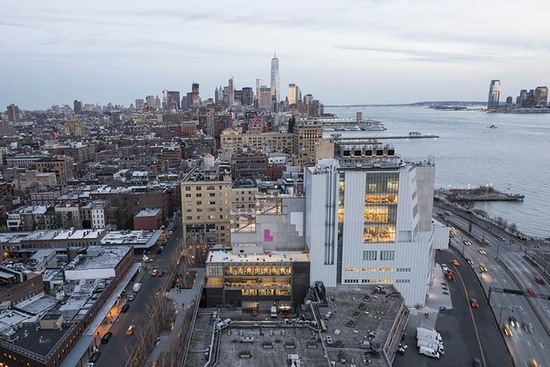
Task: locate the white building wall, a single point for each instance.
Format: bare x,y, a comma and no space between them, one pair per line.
89,274
321,199
414,248
352,236
417,256
406,220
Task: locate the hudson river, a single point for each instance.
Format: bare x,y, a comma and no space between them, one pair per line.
512,157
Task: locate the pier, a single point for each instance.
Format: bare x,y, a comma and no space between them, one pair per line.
410,136
481,193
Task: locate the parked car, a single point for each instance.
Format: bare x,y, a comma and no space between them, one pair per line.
539,280
125,308
131,297
106,337
474,303
329,340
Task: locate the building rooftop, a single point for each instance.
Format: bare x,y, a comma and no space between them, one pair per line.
99,257
227,256
148,212
359,324
140,239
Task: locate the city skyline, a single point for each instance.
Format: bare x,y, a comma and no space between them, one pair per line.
362,53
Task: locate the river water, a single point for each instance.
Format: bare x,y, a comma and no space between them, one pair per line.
513,157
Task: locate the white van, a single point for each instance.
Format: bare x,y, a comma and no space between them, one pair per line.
273,312
428,352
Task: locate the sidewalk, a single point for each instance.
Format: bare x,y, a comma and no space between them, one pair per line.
184,300
427,316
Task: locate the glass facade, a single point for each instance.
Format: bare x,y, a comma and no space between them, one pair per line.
380,213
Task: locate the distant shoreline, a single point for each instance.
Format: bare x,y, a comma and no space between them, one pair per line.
426,103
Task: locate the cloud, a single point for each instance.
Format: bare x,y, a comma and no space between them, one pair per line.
421,55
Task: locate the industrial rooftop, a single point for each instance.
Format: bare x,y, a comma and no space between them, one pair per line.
354,325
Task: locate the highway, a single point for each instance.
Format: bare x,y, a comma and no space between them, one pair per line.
507,270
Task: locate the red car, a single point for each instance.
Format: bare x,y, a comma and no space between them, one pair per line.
473,303
531,291
539,280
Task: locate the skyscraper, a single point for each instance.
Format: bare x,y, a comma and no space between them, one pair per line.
231,95
150,100
77,107
259,83
293,94
541,96
13,113
195,96
275,78
494,94
173,100
139,103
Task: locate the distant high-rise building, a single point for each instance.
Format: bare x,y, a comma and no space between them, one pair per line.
157,103
13,113
521,98
173,100
139,103
164,99
231,96
293,91
77,107
150,101
247,96
218,95
494,94
264,99
195,97
529,101
275,78
259,83
541,96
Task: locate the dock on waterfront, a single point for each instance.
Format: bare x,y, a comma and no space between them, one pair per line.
410,136
481,193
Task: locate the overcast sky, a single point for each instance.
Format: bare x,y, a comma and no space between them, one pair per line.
341,51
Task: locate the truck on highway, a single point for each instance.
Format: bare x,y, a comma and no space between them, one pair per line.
431,344
136,287
428,352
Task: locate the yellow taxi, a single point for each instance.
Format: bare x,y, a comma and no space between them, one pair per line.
507,329
455,263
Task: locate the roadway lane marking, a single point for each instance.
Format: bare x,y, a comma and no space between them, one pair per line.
529,344
473,319
542,346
